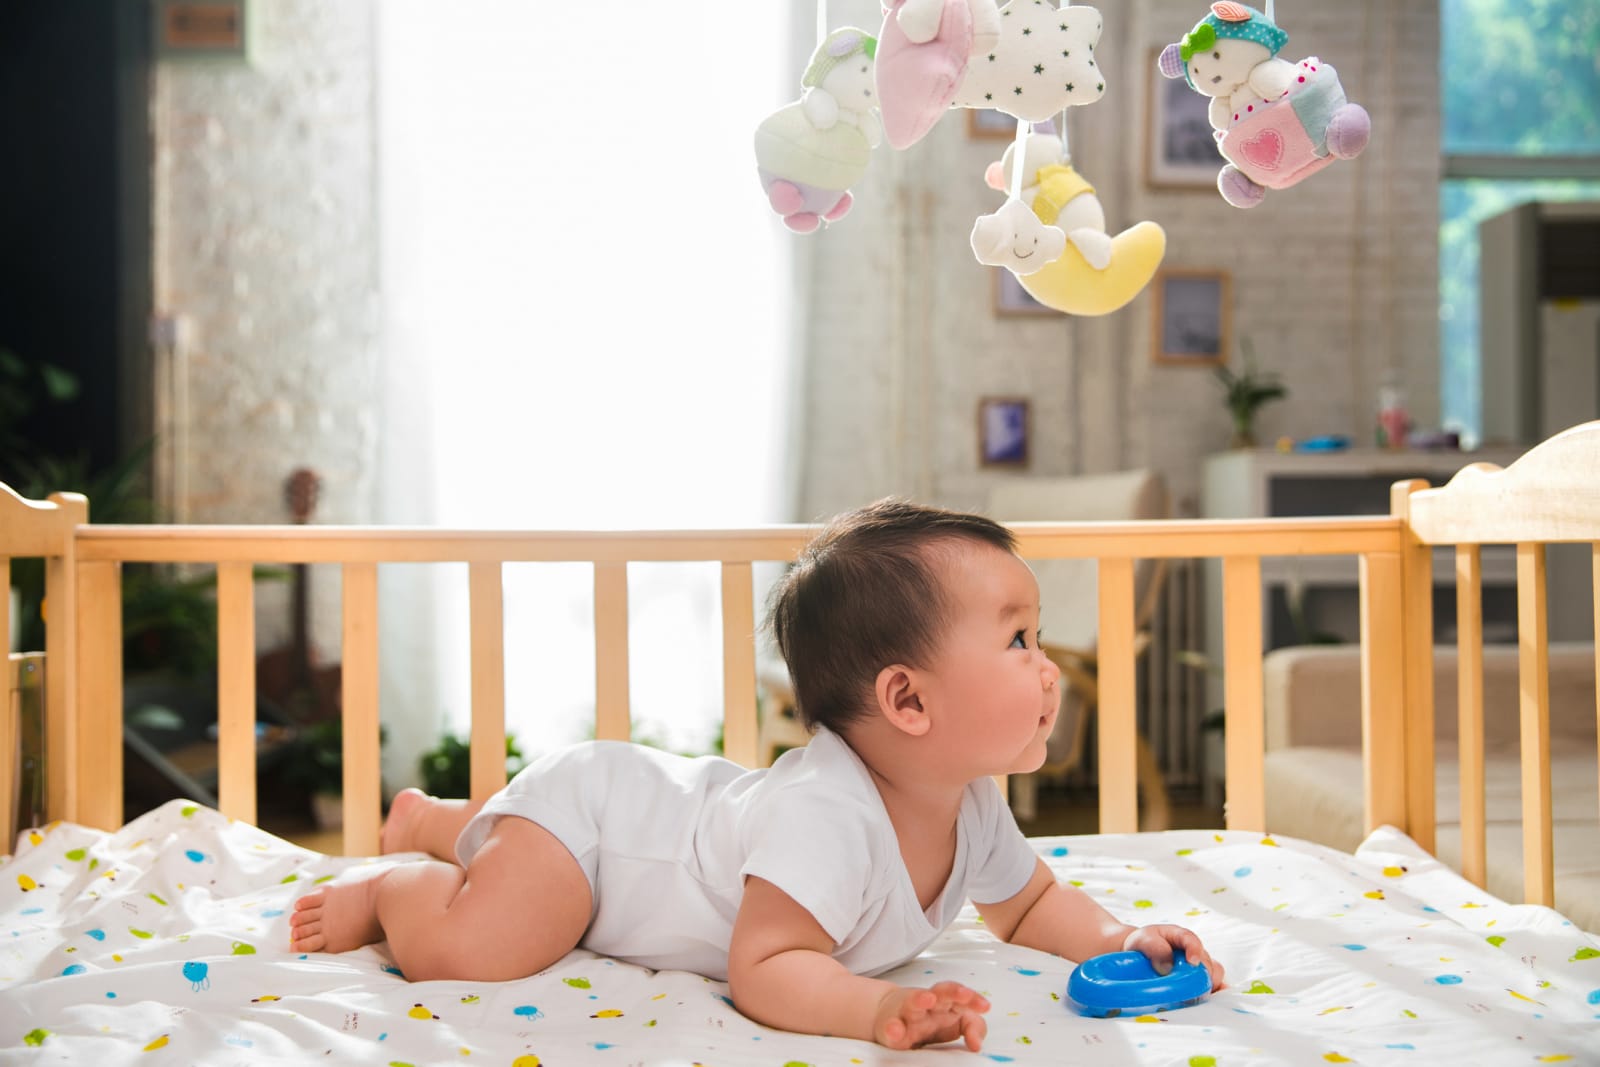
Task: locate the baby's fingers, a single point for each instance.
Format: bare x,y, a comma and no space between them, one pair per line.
961,996
973,1029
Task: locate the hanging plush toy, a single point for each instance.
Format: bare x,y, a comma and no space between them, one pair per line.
1276,122
809,153
924,48
1094,273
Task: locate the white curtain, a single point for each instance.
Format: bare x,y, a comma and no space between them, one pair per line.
588,322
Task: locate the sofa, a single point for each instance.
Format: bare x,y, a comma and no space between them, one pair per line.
1313,763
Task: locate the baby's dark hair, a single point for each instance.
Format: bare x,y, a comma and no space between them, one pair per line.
864,594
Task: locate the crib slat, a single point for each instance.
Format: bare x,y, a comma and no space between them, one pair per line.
1117,751
1469,712
1416,574
62,785
486,610
1533,676
739,664
97,756
1383,734
611,712
1246,805
363,799
236,691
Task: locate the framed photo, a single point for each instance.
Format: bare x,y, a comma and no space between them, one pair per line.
1010,298
1003,431
988,123
1179,149
1193,317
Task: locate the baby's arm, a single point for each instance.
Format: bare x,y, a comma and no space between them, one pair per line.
1062,919
781,973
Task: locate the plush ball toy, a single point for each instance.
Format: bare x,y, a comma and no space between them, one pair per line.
1095,273
1276,122
809,153
1043,63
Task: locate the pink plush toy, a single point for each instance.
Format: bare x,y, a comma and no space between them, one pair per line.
1277,123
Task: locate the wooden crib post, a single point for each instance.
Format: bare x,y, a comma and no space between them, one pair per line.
97,746
486,607
363,793
236,691
1383,689
1245,804
1469,713
1118,756
1416,577
1533,677
61,727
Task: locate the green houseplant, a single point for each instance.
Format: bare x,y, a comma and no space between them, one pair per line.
1245,392
447,767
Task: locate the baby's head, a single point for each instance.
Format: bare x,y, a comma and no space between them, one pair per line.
870,590
1218,55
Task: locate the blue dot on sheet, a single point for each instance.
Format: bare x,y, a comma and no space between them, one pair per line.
527,1011
383,1035
996,1057
1241,872
31,911
1448,979
1429,907
1408,1048
76,968
273,914
1026,972
1356,948
1060,850
98,935
601,1044
111,996
593,996
1594,996
196,856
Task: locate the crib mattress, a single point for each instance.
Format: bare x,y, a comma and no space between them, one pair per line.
165,942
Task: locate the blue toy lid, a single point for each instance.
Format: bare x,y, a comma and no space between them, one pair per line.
1126,983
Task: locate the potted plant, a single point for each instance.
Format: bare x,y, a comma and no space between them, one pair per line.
447,767
1245,392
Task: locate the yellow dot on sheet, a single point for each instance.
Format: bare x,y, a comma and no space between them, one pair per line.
1149,1019
658,996
1269,841
1334,1057
1554,1058
465,1051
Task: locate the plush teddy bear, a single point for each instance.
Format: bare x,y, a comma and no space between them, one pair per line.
810,152
1276,122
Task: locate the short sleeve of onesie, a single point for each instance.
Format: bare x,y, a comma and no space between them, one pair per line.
819,850
999,859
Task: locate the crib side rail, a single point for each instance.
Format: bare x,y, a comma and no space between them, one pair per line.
360,550
1550,495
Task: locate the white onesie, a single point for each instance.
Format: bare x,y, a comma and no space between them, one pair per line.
666,842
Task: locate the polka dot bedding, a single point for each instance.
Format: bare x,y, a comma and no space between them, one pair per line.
166,942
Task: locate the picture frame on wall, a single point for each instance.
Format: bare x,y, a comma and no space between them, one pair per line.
985,123
1180,151
1193,312
1003,431
1010,298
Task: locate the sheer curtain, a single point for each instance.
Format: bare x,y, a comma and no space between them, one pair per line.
589,316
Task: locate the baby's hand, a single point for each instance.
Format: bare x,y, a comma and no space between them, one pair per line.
911,1018
1158,942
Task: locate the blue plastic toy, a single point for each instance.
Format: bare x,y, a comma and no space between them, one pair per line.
1125,983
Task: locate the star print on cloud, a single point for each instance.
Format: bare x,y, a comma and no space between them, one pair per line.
1045,62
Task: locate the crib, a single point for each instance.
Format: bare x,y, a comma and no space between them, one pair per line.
170,932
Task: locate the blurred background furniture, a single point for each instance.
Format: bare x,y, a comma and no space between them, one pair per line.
1069,616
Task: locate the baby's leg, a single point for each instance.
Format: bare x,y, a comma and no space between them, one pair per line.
522,904
418,822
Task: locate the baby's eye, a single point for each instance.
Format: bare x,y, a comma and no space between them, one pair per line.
1019,639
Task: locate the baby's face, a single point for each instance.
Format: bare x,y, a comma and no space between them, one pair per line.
995,690
1226,66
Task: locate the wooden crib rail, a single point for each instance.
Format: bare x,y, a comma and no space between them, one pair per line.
1549,495
360,550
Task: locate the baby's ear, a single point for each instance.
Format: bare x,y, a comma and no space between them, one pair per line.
899,702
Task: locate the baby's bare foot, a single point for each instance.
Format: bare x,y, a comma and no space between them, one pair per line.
338,917
399,832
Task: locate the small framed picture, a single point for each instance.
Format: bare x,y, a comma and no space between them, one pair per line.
1010,298
1193,316
1003,431
1179,149
987,123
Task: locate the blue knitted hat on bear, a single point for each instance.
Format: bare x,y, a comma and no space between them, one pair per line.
1226,19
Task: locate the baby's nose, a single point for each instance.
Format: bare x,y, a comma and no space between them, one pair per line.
1050,673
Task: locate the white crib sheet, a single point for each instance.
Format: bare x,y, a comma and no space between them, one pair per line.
165,943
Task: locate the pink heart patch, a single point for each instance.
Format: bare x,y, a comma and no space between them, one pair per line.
1264,150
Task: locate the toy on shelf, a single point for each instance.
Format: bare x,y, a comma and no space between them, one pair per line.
1126,983
1276,122
1093,273
810,152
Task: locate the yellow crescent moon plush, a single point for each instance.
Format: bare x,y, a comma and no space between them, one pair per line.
1072,284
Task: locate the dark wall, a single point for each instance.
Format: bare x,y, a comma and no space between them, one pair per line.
75,213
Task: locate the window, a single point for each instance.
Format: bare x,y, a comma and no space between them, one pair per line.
1521,116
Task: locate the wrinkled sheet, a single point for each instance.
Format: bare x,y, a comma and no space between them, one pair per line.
166,942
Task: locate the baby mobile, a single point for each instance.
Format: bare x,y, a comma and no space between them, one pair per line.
1276,123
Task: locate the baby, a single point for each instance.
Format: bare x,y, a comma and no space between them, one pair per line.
911,634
